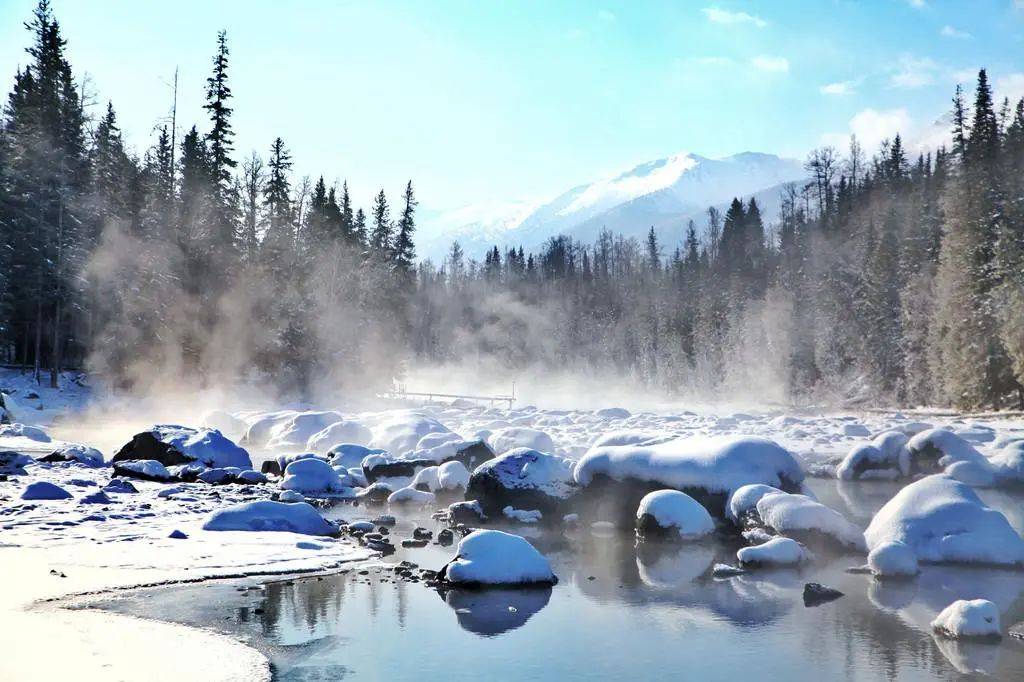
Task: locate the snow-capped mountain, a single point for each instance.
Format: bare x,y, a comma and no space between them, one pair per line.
664,194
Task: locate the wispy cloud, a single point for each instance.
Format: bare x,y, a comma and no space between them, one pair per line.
917,4
871,126
838,88
913,72
952,32
718,15
763,62
1011,85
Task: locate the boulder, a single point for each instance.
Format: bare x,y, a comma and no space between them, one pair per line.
492,557
173,445
672,515
523,479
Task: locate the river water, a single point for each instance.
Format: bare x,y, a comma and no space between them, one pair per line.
618,612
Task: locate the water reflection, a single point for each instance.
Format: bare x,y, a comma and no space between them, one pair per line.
619,608
495,611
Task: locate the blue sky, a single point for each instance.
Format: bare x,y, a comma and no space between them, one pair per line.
483,100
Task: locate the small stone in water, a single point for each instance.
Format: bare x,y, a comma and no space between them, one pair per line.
816,594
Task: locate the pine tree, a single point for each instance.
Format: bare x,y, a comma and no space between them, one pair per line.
381,236
219,143
404,250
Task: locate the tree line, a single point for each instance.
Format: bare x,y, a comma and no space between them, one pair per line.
885,279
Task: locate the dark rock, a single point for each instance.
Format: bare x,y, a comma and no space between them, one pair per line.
177,535
125,472
726,571
506,482
445,537
470,453
271,466
119,485
146,445
422,533
384,520
414,542
469,512
816,594
857,570
377,493
98,497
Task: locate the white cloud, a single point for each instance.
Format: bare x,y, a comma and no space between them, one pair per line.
913,72
963,75
871,126
1011,85
917,4
951,32
763,62
717,15
838,88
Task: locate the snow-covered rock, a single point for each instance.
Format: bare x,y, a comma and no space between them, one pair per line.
793,515
775,552
613,413
672,514
893,560
44,490
968,619
228,424
351,455
469,512
339,433
411,496
522,515
943,520
401,433
13,463
170,445
267,515
628,437
523,479
936,450
82,454
514,437
313,477
298,429
16,430
708,469
886,457
492,557
452,475
144,469
290,496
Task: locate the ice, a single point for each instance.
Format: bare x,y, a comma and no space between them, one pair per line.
267,515
968,619
775,552
942,520
674,511
493,557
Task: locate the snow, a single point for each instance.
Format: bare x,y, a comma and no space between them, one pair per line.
511,438
493,557
893,560
350,455
337,434
206,447
775,552
267,515
452,476
522,473
946,448
522,515
943,520
886,456
400,434
298,429
745,499
313,477
968,618
411,496
291,496
671,509
789,514
33,433
714,464
83,454
44,490
149,468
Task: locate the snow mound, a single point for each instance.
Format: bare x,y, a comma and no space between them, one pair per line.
33,433
893,560
968,618
296,430
402,433
524,479
492,557
613,413
514,437
718,464
628,438
936,450
671,510
170,444
266,515
337,434
350,455
44,490
82,454
411,496
522,515
452,475
313,476
943,520
775,552
886,457
146,469
798,515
